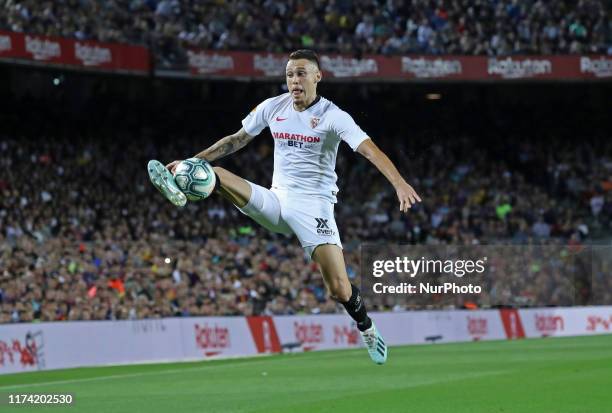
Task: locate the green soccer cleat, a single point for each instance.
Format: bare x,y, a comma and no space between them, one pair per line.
163,180
375,344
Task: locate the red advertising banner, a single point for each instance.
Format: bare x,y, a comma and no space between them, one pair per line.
70,52
264,334
513,325
263,65
136,59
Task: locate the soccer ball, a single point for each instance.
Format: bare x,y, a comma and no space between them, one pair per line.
195,178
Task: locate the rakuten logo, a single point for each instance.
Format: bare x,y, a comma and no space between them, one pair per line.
346,335
212,337
92,55
308,333
42,49
549,323
477,327
601,67
343,67
514,69
270,65
424,68
5,43
205,63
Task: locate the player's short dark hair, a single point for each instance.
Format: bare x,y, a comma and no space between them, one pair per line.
306,54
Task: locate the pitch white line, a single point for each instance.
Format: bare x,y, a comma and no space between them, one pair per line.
121,376
102,378
148,373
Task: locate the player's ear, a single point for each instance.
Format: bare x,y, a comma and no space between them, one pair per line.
319,76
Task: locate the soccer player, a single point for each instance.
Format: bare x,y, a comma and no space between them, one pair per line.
307,129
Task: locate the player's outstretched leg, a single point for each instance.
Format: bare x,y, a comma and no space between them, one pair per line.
331,263
229,185
232,187
163,180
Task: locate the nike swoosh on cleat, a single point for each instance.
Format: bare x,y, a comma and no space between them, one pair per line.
279,119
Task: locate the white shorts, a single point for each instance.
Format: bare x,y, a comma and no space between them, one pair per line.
310,218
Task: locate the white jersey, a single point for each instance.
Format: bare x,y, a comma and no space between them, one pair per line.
305,143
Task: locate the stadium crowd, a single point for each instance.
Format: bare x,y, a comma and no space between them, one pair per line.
471,27
83,235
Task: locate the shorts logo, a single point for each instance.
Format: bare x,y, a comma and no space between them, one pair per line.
314,122
322,227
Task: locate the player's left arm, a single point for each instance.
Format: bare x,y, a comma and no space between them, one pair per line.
406,194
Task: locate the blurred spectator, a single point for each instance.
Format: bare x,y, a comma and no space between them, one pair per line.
83,234
80,243
501,27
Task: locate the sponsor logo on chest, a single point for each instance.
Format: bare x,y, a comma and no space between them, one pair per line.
296,140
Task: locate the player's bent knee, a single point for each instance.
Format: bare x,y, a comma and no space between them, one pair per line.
230,180
233,187
222,173
340,292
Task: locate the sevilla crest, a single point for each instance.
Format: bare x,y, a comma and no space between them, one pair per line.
314,122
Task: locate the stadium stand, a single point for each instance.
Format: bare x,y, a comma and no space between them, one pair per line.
83,235
468,27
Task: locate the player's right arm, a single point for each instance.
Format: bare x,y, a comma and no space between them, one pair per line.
221,148
226,146
252,125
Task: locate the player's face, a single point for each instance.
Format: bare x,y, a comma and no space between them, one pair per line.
302,78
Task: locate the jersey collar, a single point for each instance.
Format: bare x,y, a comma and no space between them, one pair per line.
314,102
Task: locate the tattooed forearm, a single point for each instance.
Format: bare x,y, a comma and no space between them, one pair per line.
225,146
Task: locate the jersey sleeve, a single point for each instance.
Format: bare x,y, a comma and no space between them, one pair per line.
257,119
346,129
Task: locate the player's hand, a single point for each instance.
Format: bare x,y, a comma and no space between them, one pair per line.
172,166
407,196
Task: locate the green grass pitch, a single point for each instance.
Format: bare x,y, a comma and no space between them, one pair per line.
560,375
